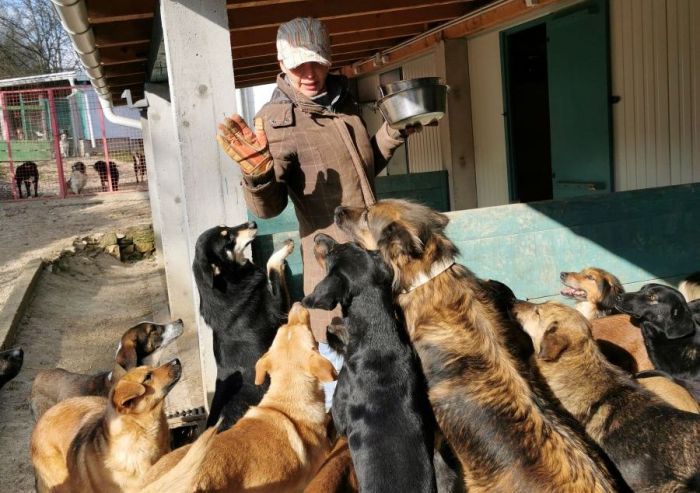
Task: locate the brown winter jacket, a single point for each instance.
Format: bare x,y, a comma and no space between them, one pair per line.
322,159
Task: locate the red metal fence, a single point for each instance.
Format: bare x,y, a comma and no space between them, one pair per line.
55,142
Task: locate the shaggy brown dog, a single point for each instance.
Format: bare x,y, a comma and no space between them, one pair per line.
621,342
93,444
655,446
594,289
505,432
278,445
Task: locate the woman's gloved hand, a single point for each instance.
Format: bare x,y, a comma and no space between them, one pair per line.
250,150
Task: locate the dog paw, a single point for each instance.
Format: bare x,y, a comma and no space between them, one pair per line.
277,259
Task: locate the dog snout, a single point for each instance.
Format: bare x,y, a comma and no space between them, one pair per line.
339,214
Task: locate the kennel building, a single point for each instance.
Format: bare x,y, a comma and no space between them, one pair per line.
571,138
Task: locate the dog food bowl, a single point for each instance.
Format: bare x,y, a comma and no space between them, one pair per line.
408,102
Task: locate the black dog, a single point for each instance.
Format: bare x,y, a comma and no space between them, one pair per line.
381,402
139,165
670,327
101,168
10,364
244,307
27,173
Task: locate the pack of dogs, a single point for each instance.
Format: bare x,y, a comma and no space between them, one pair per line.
450,383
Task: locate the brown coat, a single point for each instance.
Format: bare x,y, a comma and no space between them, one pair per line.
322,159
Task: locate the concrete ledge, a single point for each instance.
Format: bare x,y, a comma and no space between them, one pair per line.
11,313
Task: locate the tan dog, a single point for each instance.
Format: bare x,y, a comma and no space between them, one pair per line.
621,342
278,445
595,291
93,444
655,446
337,473
505,432
673,393
690,287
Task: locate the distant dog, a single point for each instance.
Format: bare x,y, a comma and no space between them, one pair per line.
671,329
381,373
594,289
101,168
244,307
10,364
690,287
139,165
97,444
277,446
655,446
504,429
27,173
53,386
78,178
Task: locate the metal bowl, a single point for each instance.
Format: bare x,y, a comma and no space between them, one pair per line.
422,104
400,85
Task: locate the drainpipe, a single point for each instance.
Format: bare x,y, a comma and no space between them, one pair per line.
73,14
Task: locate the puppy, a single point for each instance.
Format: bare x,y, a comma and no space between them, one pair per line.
10,364
505,430
244,307
620,340
671,329
139,165
97,444
690,287
381,392
27,173
278,445
594,289
672,390
78,178
655,446
141,340
105,175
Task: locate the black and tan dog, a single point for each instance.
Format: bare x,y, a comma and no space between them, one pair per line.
380,403
655,446
27,174
244,307
505,431
595,291
137,343
10,364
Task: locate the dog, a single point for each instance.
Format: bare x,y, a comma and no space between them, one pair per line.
594,289
98,444
655,446
10,364
27,173
507,434
244,307
381,390
139,165
278,445
78,178
620,340
101,168
690,287
672,390
136,344
337,473
670,328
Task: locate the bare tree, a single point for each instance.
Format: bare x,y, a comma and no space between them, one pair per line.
32,40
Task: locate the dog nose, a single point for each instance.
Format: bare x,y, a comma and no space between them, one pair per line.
563,275
339,212
175,362
16,354
252,225
618,298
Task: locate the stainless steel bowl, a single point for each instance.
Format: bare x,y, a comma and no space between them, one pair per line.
400,85
422,104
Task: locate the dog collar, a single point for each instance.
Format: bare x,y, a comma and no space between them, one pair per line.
436,269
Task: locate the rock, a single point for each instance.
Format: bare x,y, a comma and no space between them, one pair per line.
143,238
113,250
108,240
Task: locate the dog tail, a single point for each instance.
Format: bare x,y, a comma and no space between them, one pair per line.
180,479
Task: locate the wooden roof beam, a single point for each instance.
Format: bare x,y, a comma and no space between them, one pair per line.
124,54
336,51
101,12
239,70
120,34
134,68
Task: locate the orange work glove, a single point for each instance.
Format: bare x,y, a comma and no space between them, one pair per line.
249,149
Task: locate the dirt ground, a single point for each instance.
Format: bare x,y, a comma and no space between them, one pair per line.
78,311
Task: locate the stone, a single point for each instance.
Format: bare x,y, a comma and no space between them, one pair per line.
113,250
108,240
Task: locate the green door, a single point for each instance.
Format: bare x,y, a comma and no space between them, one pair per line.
579,100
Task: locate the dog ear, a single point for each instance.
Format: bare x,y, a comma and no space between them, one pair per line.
125,393
126,355
322,245
204,271
262,368
328,293
553,344
396,240
610,289
321,368
680,323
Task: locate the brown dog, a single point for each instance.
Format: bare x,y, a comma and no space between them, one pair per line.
138,342
655,446
504,431
336,474
621,342
595,291
93,444
278,445
664,386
